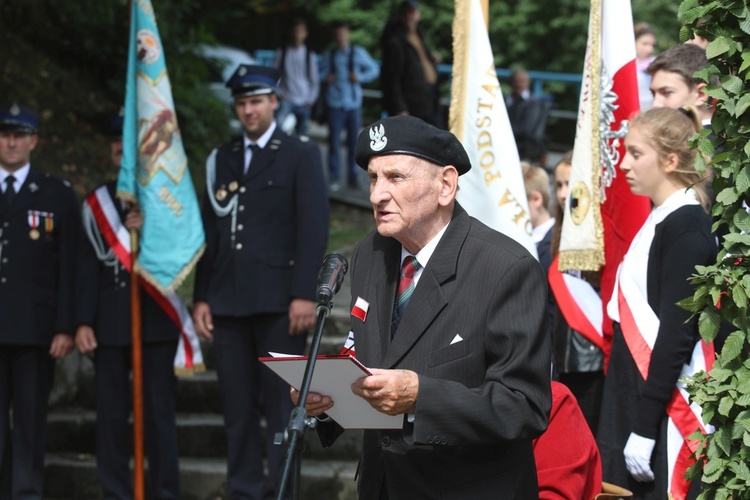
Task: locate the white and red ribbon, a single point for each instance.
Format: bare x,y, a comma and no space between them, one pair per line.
578,302
189,358
684,418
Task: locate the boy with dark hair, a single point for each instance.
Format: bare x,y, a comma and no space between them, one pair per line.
673,83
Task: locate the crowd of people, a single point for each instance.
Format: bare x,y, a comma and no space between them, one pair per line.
456,321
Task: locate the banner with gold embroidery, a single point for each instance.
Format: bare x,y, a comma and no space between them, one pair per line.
493,190
154,170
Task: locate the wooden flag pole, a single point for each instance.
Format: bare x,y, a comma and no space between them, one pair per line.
486,11
136,353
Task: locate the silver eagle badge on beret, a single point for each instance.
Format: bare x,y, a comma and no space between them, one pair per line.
379,140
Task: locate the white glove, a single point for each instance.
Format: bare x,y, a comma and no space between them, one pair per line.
637,453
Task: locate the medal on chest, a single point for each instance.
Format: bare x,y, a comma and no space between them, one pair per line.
39,220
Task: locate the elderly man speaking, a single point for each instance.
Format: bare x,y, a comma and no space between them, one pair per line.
450,316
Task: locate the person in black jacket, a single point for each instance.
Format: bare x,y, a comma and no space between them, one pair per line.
39,227
104,329
656,341
409,74
266,220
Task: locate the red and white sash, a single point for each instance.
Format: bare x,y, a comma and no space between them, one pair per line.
189,358
640,332
579,303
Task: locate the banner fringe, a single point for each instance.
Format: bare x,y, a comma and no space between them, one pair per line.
581,260
189,372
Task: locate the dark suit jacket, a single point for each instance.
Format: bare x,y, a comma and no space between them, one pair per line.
282,229
103,298
481,399
37,275
528,118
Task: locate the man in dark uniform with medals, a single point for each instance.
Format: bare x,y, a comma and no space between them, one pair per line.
103,328
266,220
39,227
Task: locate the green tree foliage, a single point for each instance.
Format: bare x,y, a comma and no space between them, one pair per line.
722,289
68,58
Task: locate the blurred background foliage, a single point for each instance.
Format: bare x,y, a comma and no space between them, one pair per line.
67,59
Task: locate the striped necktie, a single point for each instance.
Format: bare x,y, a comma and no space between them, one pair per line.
405,289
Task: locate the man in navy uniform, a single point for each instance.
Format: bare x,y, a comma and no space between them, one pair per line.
103,328
266,220
39,227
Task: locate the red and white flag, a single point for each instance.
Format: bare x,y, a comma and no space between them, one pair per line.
601,215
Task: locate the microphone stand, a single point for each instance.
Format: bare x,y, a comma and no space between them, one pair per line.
299,422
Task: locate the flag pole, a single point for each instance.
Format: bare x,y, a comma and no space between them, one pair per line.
136,352
137,358
486,11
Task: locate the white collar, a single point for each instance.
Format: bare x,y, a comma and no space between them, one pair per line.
678,199
263,139
423,256
20,176
538,233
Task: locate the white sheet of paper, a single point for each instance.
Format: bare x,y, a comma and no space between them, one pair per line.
333,377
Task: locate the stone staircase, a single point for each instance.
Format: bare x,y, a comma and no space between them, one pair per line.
70,467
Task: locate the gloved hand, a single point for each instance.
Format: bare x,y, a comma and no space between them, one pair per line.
637,453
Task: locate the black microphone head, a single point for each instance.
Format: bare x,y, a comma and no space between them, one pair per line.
331,276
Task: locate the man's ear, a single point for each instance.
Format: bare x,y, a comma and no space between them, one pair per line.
448,185
701,99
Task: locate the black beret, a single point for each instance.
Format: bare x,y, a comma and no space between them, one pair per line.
407,135
253,80
19,118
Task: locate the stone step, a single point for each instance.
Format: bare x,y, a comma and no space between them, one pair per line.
198,435
199,393
73,476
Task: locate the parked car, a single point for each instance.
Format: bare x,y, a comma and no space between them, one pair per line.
222,61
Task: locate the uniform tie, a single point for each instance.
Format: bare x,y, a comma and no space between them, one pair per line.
405,289
254,148
10,189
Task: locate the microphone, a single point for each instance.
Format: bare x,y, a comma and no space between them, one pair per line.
330,277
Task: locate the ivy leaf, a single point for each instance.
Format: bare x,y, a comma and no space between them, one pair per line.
694,471
733,346
746,439
713,469
708,324
717,47
725,406
739,296
721,374
732,84
716,92
727,196
743,179
741,470
742,105
745,24
743,400
689,11
743,239
745,62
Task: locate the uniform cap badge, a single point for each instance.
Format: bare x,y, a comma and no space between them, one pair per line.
378,138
